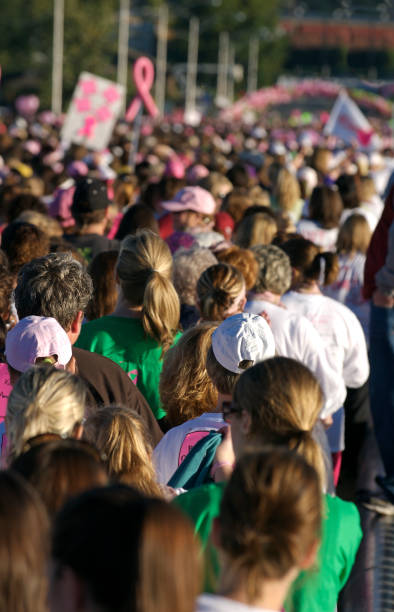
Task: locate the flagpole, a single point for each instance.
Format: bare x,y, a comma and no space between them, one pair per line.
57,59
192,64
253,64
223,58
123,45
161,58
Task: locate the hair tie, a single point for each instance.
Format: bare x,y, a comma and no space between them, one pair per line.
322,273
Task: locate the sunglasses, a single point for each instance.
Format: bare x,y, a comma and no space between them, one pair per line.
229,408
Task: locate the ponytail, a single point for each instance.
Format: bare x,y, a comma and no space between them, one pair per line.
328,265
306,258
144,270
160,310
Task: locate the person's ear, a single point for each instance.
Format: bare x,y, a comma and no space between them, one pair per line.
246,422
310,557
77,322
69,589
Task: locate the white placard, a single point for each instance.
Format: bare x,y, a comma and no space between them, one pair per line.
95,106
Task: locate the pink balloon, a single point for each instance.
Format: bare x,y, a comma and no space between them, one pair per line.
143,74
27,105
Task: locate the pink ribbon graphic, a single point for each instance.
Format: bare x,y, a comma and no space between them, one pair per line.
88,128
143,74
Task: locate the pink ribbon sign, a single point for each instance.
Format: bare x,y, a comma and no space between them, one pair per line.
143,74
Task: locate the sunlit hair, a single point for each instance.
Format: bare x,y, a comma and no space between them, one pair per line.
43,400
186,390
354,235
321,159
270,517
24,546
217,290
216,184
154,556
284,400
119,435
105,294
236,202
50,226
310,264
367,188
144,270
287,190
189,264
223,379
243,260
23,242
325,207
256,229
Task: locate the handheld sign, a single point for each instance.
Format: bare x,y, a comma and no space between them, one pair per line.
94,108
348,123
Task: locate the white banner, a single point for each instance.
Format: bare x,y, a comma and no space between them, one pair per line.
348,123
94,109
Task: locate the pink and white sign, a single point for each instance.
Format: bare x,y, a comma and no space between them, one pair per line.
348,123
94,109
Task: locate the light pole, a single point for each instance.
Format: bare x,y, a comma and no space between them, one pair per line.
57,59
123,45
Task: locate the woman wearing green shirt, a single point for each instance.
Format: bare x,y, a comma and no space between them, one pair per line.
276,403
146,318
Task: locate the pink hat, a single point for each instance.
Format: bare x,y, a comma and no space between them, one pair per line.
196,172
60,207
175,168
192,198
77,168
35,337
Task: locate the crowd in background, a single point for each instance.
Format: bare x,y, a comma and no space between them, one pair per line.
195,353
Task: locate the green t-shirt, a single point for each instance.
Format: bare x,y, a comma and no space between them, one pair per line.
123,340
315,590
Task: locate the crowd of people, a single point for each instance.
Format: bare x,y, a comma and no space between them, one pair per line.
193,354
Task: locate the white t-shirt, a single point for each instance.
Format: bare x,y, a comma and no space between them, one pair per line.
325,238
347,289
340,330
371,219
177,442
216,603
297,338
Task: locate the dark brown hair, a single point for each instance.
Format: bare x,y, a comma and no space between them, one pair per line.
310,263
23,242
325,207
150,552
105,294
24,546
60,469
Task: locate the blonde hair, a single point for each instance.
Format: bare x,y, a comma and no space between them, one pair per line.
284,400
119,435
256,229
144,269
43,400
354,235
287,190
367,188
270,517
217,289
186,390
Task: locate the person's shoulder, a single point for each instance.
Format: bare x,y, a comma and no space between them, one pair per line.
343,513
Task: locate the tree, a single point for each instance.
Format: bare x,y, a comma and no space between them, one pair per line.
90,35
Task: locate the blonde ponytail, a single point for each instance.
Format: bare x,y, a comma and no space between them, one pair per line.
144,269
160,310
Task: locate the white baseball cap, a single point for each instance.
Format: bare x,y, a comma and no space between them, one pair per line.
242,337
35,337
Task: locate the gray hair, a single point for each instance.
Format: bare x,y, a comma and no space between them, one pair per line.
53,286
274,269
188,266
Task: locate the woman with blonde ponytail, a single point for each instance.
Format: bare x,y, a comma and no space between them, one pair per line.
145,321
275,405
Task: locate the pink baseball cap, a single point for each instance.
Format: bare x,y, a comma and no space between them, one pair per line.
192,198
35,337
